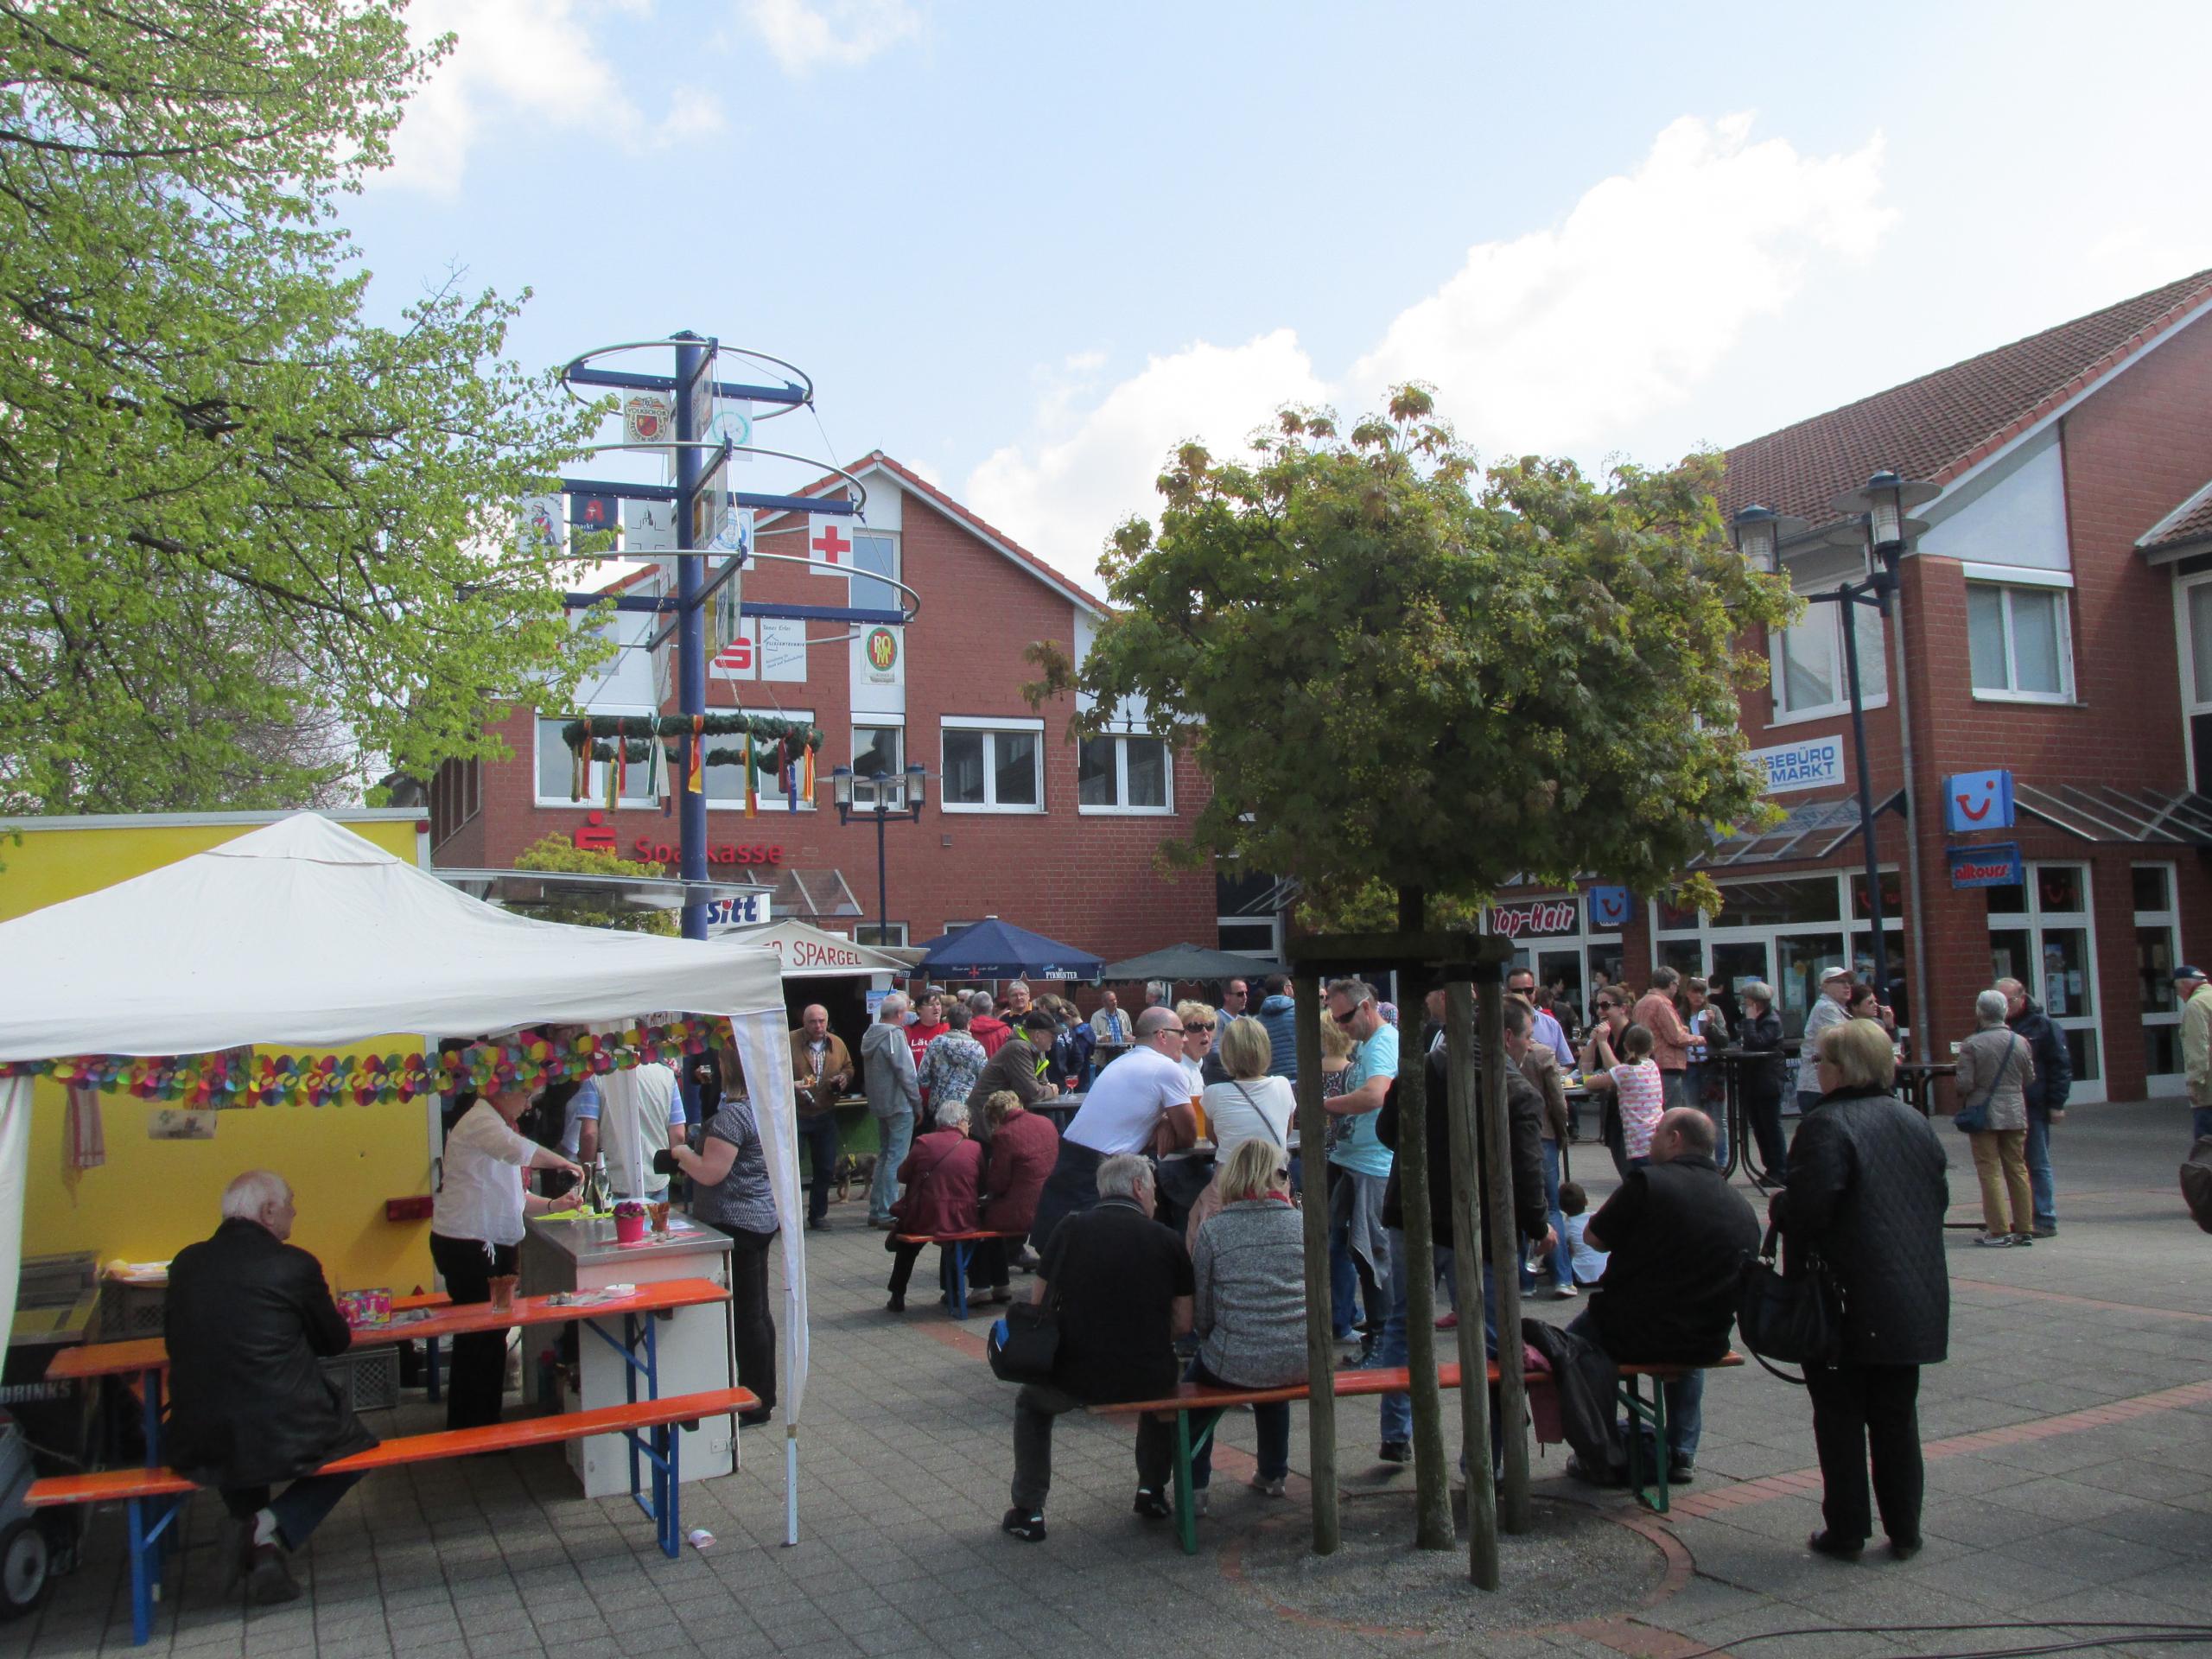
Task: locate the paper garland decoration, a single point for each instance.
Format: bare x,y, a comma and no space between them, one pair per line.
241,1077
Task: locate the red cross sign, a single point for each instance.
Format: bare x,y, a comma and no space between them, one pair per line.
827,542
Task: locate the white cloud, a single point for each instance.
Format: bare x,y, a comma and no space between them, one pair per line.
1557,338
533,64
805,37
1061,495
1554,340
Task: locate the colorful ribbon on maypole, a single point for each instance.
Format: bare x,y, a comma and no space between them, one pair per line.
697,782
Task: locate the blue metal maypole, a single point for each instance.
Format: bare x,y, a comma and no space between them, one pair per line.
691,361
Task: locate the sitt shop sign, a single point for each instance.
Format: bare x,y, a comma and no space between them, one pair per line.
1814,763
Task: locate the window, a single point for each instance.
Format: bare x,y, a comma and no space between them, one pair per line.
726,782
1810,675
993,766
2193,613
2041,933
1123,775
878,751
556,769
875,555
873,933
2157,948
2018,642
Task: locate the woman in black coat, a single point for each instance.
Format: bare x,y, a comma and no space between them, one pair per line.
1866,1193
1759,1081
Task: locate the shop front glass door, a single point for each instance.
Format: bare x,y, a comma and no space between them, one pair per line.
1734,962
2040,934
1800,960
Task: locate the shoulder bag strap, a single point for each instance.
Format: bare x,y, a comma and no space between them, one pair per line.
1256,1112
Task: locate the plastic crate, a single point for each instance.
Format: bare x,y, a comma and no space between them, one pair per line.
128,1310
368,1380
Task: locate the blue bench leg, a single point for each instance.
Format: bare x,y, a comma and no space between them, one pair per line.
432,1391
142,1590
958,1291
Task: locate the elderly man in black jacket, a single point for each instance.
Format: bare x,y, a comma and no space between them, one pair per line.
1524,1110
2049,1089
1866,1194
1675,1237
248,1317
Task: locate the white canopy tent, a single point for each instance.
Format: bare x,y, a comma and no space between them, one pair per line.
303,934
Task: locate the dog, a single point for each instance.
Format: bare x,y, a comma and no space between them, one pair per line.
854,1169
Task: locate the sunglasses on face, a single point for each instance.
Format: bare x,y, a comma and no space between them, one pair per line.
1169,1031
1346,1019
1202,1025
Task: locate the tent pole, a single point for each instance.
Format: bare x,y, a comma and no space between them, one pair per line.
791,1434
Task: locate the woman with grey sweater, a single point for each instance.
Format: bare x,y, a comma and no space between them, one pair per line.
1995,1067
1251,1308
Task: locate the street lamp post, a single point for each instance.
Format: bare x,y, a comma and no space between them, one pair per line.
1876,523
911,791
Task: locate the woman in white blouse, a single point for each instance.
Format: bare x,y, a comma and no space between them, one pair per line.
1251,1105
475,1227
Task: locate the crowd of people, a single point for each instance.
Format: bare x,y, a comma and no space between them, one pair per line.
1159,1219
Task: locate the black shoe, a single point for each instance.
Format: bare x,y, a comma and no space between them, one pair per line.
758,1418
1028,1525
271,1581
1827,1544
817,1224
1395,1451
1681,1472
2043,1232
1903,1549
896,1304
1153,1504
1614,1477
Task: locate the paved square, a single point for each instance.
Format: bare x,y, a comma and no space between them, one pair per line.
2069,1476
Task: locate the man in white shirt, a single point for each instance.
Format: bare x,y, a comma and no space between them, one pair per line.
1123,1112
639,1110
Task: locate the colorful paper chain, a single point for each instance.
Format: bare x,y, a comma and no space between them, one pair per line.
217,1081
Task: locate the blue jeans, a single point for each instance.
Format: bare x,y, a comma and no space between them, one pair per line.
1390,1350
2200,1120
2039,1180
818,1134
1685,1399
894,1135
1562,1253
1271,1422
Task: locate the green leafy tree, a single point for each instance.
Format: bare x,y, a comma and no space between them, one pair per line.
233,509
1403,675
553,852
1410,682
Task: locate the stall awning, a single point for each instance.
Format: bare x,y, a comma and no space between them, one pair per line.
2105,812
810,953
1813,830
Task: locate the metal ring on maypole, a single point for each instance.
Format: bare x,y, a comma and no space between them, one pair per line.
749,354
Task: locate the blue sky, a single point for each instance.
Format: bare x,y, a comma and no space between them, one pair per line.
1028,248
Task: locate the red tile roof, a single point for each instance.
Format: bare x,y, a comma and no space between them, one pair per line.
954,509
1940,424
2189,523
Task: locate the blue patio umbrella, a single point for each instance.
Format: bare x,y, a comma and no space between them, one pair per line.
995,950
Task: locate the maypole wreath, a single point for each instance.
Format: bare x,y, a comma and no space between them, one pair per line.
783,748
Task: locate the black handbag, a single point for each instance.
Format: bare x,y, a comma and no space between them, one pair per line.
1795,1318
1024,1343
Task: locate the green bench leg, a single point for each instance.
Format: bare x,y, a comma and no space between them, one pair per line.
1651,1495
1187,1444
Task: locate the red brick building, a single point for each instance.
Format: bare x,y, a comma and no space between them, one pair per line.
2056,624
1021,821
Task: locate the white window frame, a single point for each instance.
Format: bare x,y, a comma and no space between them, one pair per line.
990,725
2163,1082
770,799
896,778
638,770
1121,808
2186,651
1778,676
900,928
2032,919
2008,692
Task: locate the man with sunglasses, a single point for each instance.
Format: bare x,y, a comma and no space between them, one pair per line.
1359,1164
1547,1033
1135,1103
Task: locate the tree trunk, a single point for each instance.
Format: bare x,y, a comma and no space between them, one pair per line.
1504,1255
1432,1476
1320,1341
1466,1235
